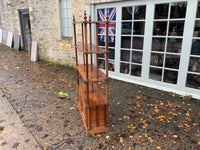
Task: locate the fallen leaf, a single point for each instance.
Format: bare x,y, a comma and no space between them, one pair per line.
5,67
197,134
175,136
25,119
120,119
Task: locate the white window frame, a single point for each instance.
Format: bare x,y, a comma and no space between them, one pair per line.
180,87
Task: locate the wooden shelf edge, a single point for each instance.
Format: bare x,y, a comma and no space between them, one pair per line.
93,101
92,76
91,49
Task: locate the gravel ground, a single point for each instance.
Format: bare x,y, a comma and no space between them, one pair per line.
140,118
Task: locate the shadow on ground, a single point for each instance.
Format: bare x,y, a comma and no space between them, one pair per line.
139,117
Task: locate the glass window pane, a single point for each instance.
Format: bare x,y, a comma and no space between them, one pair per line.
126,27
124,68
101,14
161,11
197,29
125,55
172,61
160,28
101,63
198,10
111,54
195,47
174,45
158,44
136,70
194,64
137,43
176,28
112,14
102,27
101,40
101,55
111,42
111,28
138,28
157,59
111,65
139,12
127,13
125,42
178,10
155,74
136,57
170,76
193,81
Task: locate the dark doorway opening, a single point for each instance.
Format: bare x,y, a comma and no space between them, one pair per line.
25,27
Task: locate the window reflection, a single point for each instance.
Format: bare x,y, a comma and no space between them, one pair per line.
194,64
157,59
125,42
137,43
161,11
136,57
136,70
111,54
101,63
176,28
160,28
172,61
138,28
197,29
124,68
195,47
155,74
198,10
125,55
178,10
193,81
126,28
158,44
127,13
170,76
139,12
174,45
111,65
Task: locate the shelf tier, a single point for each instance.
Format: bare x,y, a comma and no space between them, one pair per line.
96,97
92,73
91,49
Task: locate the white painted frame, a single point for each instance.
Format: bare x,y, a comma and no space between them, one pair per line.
180,87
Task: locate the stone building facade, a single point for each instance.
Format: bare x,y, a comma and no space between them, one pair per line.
45,24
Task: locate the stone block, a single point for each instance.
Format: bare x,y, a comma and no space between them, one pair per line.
9,39
4,39
1,35
17,42
34,51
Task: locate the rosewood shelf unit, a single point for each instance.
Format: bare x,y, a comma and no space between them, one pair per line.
92,102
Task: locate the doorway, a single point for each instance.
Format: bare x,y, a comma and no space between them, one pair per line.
25,27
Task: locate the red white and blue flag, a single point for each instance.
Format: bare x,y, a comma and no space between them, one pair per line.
111,26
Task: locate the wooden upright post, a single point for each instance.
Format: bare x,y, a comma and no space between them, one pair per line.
107,40
87,81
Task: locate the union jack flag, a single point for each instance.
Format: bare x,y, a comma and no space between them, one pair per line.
111,26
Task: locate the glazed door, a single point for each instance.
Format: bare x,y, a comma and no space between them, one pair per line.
25,27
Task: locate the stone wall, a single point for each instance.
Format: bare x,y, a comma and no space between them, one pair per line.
45,24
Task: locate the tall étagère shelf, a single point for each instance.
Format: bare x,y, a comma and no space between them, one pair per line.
92,102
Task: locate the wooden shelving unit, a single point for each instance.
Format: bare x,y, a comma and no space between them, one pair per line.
92,103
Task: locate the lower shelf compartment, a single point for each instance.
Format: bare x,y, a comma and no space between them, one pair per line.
95,118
